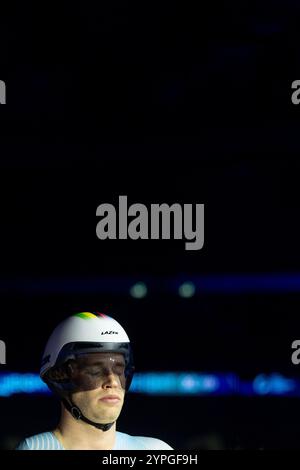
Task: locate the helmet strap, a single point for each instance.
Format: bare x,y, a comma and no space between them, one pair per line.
77,414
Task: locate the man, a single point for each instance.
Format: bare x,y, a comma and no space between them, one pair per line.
88,363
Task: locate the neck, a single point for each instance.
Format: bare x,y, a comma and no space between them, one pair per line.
77,435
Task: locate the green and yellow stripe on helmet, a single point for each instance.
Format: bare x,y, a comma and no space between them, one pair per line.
89,315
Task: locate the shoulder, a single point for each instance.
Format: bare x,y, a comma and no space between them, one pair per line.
151,443
125,441
43,441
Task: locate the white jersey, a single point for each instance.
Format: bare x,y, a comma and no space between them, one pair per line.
48,441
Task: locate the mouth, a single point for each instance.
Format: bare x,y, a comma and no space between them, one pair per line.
112,399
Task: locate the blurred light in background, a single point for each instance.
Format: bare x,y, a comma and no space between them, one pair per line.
187,289
138,290
172,383
122,285
276,384
11,383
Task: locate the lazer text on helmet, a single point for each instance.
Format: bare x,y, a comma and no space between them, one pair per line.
2,352
154,224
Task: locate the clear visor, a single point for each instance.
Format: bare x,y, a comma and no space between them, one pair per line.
94,370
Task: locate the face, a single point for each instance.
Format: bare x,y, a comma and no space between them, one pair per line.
99,379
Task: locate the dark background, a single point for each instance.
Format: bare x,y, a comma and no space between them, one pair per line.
163,103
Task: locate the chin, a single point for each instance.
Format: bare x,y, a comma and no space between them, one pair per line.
104,418
109,419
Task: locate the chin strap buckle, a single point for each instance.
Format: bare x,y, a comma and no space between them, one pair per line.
106,427
75,412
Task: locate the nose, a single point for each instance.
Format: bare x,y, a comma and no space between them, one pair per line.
111,380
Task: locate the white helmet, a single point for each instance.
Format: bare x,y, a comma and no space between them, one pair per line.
84,332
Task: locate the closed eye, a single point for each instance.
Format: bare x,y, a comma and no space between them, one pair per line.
94,372
119,370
